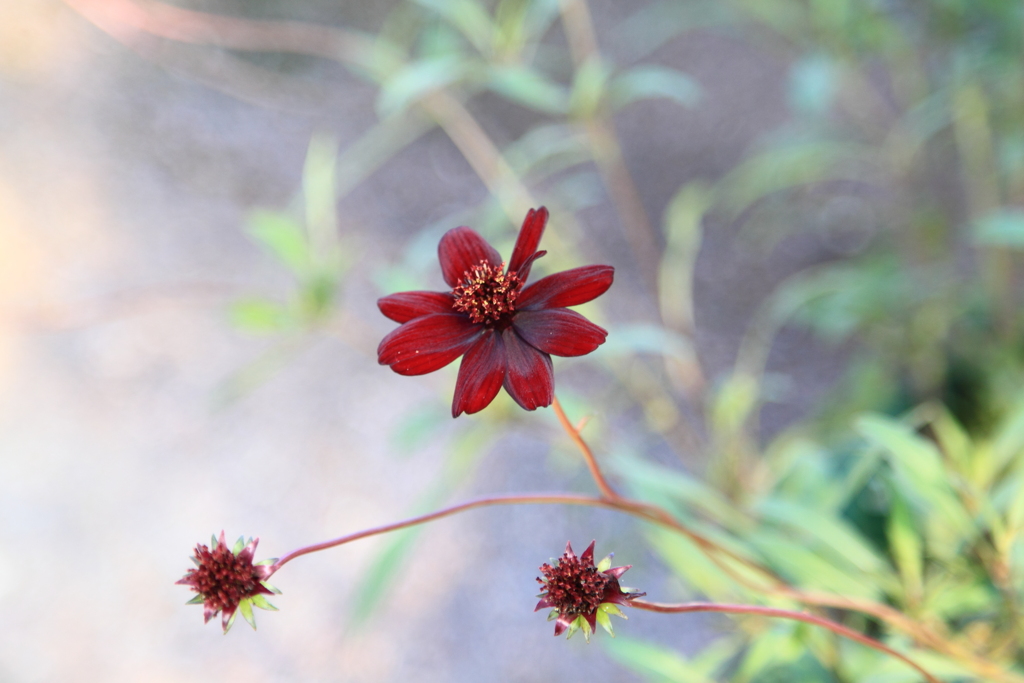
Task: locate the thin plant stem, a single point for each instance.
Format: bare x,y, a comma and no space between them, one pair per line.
489,501
775,612
607,152
588,455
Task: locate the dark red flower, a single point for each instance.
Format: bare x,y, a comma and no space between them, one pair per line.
508,331
227,581
581,594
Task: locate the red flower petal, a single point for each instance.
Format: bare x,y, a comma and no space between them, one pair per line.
529,378
588,555
544,603
568,288
461,249
527,242
617,572
405,306
480,375
559,331
428,343
562,623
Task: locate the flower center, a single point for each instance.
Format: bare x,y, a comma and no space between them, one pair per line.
487,294
222,578
572,587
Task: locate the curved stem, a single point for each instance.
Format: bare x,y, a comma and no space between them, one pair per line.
588,455
759,610
515,499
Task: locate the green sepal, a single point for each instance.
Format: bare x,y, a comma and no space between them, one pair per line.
239,544
195,561
610,608
270,588
231,622
552,615
259,601
574,626
245,607
198,599
605,564
213,541
269,560
605,621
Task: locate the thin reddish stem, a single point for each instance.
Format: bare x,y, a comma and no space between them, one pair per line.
588,455
759,610
516,499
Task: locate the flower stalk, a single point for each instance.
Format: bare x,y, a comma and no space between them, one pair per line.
759,610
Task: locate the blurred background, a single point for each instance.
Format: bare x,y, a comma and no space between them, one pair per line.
814,209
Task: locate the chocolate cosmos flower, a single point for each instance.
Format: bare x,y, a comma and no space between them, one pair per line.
227,581
507,331
581,594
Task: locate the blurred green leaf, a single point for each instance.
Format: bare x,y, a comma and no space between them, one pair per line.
284,237
416,428
792,166
588,88
546,150
464,455
382,572
1002,228
831,532
470,17
318,189
921,478
813,84
912,454
1008,441
682,228
805,567
698,496
528,87
259,315
769,649
662,664
733,403
691,564
418,80
907,548
649,81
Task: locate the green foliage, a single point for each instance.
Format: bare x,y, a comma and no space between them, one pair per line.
907,488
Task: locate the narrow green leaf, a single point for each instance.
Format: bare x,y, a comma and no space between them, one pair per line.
418,80
528,87
833,533
683,236
198,599
697,495
807,568
654,661
907,548
283,237
649,81
319,180
470,17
